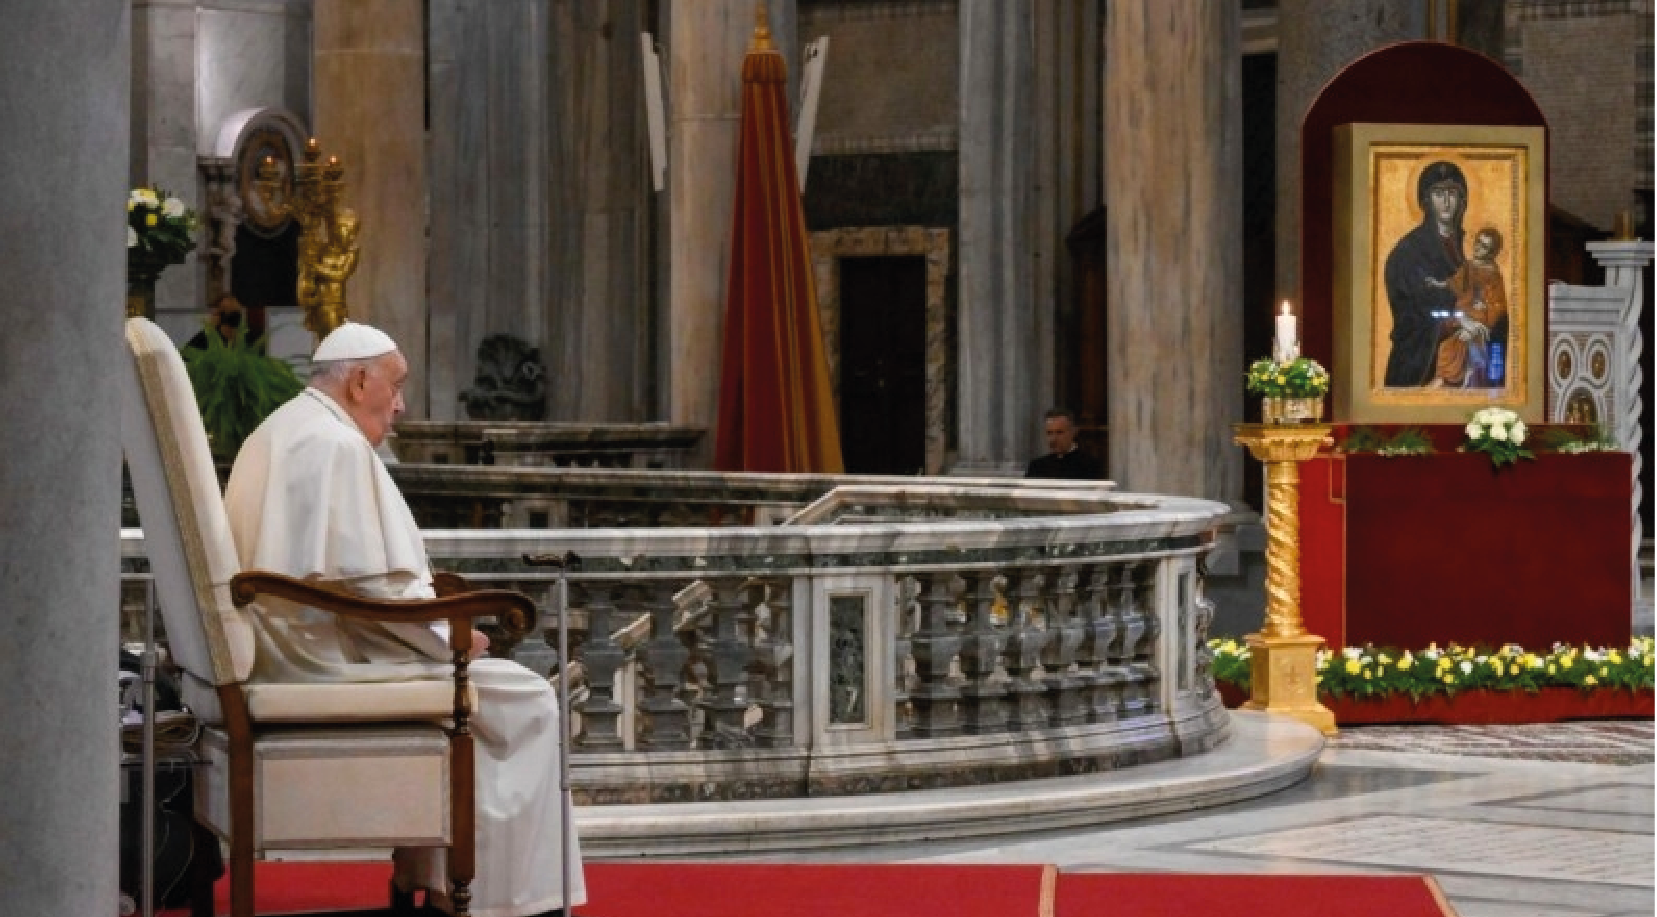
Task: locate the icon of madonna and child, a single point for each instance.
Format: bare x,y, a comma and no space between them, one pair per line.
1449,304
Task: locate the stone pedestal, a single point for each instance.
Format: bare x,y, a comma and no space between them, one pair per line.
370,112
1283,656
63,173
1173,181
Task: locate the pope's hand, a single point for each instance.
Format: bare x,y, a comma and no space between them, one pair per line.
480,644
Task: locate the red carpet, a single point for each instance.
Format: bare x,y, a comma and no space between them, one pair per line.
890,890
1176,895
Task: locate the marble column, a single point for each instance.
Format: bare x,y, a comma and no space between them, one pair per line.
704,45
1068,170
369,89
63,175
1001,373
600,317
1173,121
163,148
1316,40
492,173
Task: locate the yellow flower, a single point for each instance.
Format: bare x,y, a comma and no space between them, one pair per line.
1590,680
1352,667
1514,670
1366,675
1552,668
150,220
1448,678
1614,656
1603,672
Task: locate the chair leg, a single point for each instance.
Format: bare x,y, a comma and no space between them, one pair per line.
402,902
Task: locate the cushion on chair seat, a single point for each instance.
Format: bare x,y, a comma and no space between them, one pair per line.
353,702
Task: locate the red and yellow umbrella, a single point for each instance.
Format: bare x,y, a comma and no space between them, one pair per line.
776,406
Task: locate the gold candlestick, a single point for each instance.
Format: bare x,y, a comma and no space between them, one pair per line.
1283,656
327,233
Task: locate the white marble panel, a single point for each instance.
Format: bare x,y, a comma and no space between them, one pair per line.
250,58
1436,844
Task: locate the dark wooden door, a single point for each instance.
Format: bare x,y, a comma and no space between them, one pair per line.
883,364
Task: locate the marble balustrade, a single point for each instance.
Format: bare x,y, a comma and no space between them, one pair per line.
874,640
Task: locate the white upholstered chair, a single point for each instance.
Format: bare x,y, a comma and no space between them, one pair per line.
292,766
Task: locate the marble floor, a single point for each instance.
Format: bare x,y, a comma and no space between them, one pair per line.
1514,821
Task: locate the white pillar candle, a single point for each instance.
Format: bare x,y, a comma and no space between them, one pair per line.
1286,342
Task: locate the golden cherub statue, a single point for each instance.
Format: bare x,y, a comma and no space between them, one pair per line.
322,277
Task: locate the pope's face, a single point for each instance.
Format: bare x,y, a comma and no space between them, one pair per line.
377,395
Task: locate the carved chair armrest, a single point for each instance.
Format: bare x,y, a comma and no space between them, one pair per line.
447,584
514,611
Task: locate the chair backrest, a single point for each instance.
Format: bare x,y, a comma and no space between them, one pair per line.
186,532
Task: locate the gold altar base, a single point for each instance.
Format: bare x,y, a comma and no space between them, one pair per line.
1283,674
1283,656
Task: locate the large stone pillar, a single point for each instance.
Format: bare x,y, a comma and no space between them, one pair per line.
491,177
600,312
705,42
369,89
63,176
1173,120
163,147
1316,39
1001,392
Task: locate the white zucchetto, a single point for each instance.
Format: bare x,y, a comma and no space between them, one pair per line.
353,341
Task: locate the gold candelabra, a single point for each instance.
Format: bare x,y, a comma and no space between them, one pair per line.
327,232
1283,656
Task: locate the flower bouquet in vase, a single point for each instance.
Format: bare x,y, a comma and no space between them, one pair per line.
160,232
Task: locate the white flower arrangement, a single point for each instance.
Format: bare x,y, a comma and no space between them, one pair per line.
1499,433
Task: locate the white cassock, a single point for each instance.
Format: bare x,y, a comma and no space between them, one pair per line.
308,497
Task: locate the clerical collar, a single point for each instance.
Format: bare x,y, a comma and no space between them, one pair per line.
334,408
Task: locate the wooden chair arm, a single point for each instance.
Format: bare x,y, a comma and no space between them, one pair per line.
447,584
513,611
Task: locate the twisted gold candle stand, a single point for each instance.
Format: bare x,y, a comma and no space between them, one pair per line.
1283,656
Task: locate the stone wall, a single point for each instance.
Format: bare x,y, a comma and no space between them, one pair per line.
1589,65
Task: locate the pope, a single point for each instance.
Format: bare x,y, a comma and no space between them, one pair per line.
310,497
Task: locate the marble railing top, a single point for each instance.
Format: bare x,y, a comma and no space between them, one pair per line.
549,434
714,485
1072,526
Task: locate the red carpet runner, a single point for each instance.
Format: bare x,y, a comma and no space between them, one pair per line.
892,890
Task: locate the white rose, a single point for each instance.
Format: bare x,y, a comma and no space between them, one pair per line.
1498,432
1466,667
1474,431
173,207
132,238
1517,434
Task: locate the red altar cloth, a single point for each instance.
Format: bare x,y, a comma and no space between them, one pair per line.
1412,550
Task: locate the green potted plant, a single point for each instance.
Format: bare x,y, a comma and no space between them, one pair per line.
1291,390
237,385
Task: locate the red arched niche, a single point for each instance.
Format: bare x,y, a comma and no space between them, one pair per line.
1413,82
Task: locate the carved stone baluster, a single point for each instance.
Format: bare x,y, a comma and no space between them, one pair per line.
1203,611
1099,634
983,697
1130,624
773,686
1066,690
935,699
730,654
906,592
1145,668
667,719
602,657
1026,640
